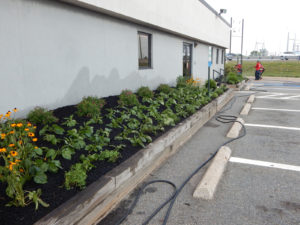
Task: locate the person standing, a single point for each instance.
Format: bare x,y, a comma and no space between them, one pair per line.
258,70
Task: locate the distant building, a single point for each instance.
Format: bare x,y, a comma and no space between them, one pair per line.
55,52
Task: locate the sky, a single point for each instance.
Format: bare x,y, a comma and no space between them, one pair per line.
265,21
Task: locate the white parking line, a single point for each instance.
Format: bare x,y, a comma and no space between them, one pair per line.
289,89
283,110
271,126
265,164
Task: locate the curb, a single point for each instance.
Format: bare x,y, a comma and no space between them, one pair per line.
235,129
93,203
251,99
237,87
246,109
208,184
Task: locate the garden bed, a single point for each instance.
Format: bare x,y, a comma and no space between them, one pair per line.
53,191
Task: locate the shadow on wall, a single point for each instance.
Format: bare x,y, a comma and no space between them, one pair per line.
100,86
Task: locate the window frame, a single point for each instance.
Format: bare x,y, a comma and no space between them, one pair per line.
190,46
149,35
217,56
222,59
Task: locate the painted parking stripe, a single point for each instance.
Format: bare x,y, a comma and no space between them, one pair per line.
271,126
282,110
265,164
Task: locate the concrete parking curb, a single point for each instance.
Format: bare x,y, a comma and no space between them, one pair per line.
235,129
246,109
208,184
95,202
251,99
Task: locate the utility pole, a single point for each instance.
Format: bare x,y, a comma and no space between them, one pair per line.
230,35
288,40
242,42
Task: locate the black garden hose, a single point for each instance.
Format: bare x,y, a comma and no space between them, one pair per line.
220,118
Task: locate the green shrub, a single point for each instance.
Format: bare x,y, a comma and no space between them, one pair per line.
232,78
214,95
40,115
164,88
213,84
181,81
127,98
229,69
219,91
90,106
145,92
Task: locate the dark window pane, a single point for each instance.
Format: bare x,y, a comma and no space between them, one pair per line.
144,50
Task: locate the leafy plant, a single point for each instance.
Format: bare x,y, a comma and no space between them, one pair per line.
76,177
22,160
90,106
109,155
213,84
127,98
232,78
164,88
181,81
69,121
145,92
40,115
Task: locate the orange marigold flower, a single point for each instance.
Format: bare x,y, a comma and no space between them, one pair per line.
31,134
12,132
34,139
15,110
11,145
3,136
29,124
14,153
26,129
19,124
13,125
2,149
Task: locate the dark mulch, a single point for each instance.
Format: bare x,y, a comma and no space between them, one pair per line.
53,193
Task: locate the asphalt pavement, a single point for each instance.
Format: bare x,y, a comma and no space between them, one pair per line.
247,194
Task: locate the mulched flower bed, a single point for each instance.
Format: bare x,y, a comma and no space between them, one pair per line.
53,191
156,116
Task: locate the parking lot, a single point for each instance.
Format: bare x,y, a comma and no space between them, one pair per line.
261,184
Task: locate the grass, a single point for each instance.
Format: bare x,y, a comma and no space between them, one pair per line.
272,68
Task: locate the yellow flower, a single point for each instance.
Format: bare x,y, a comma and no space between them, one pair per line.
15,110
29,124
26,129
31,134
21,170
1,115
13,125
20,142
11,145
36,147
2,149
34,127
34,139
3,136
12,132
19,124
7,115
11,164
14,153
18,160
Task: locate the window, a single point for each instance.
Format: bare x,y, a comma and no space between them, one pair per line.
217,57
187,59
144,50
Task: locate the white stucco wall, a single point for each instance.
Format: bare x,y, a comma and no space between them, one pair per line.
52,54
188,17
